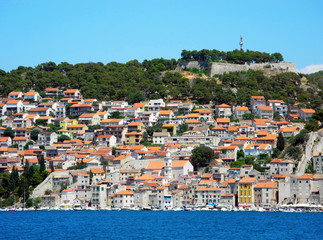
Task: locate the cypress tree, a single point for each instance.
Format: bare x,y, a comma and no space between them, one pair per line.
280,142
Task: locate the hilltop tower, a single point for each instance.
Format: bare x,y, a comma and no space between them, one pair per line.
241,43
168,165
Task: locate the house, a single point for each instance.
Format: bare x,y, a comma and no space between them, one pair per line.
75,129
246,194
278,106
64,122
52,92
33,96
124,199
283,167
79,109
14,106
133,138
41,111
317,161
90,119
219,131
266,194
147,118
228,154
240,111
5,141
60,111
20,141
3,109
305,114
99,194
107,141
122,159
51,200
257,101
47,138
112,121
72,93
98,175
159,137
15,95
303,192
208,195
156,105
119,131
191,139
136,126
289,131
103,115
223,122
67,198
257,149
264,112
292,117
223,111
166,114
205,114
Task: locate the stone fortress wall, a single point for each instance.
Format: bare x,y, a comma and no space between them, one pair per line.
214,68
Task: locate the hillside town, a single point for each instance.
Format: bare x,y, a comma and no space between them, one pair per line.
116,155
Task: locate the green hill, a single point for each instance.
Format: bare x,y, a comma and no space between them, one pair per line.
151,79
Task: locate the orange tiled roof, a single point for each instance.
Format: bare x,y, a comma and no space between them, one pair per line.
308,110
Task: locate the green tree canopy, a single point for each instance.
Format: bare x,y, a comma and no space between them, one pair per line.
202,156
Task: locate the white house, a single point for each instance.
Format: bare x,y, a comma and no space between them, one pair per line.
34,96
67,198
124,199
107,141
156,105
159,137
223,111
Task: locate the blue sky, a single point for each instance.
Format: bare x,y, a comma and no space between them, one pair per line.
33,32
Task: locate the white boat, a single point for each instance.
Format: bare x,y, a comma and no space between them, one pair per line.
177,209
205,209
260,209
115,209
224,209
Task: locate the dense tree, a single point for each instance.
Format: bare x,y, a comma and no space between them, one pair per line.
202,156
63,137
318,115
312,125
9,133
151,79
280,142
235,56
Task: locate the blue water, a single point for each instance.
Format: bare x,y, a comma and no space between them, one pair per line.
160,225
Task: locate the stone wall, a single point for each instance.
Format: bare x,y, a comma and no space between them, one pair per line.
214,68
191,65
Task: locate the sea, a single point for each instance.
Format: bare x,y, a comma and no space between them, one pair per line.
160,225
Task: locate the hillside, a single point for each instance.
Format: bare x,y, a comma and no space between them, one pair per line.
151,79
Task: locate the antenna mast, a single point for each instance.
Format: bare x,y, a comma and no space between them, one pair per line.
241,43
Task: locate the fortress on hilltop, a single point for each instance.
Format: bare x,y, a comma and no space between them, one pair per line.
214,68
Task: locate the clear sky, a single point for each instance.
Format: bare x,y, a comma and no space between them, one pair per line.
33,32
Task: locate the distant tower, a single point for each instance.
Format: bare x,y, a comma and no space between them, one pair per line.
168,165
241,43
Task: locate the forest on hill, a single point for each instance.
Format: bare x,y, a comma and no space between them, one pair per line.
151,79
236,56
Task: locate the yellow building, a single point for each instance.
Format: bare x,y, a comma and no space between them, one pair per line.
67,122
246,191
133,138
74,129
